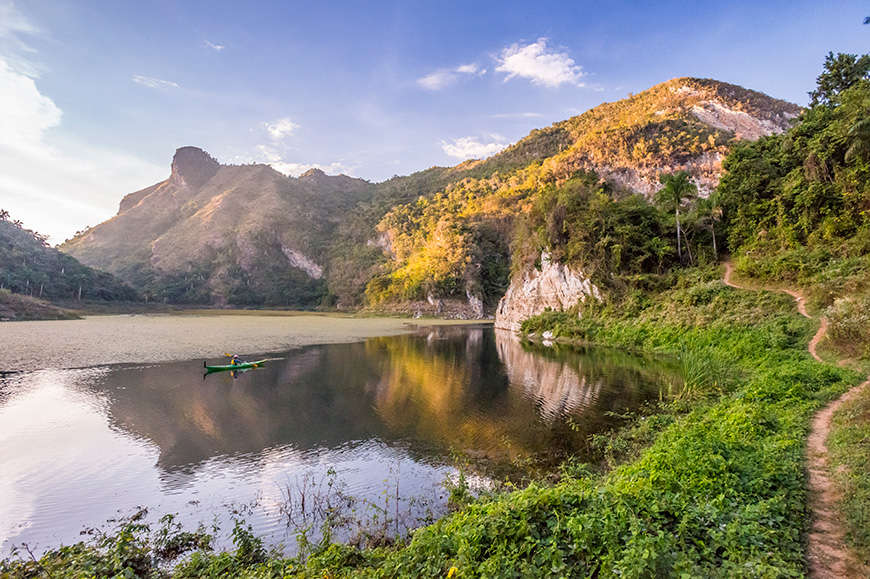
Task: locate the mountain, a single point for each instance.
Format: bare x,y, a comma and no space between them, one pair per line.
497,215
221,234
248,235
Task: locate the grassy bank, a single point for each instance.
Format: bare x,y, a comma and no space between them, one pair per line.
17,307
849,445
720,492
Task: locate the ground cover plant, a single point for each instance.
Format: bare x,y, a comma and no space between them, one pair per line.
849,445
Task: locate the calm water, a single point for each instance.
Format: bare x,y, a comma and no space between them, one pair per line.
378,419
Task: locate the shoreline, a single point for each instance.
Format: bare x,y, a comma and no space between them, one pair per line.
151,338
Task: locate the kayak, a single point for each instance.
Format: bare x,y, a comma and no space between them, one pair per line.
242,366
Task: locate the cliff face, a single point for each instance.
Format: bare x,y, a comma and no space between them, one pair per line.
554,286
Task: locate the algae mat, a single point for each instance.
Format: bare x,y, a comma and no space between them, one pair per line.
98,340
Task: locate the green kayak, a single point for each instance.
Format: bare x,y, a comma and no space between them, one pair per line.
242,366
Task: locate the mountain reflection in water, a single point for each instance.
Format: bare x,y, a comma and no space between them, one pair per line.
388,407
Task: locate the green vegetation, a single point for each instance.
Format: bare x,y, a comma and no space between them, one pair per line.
720,492
19,307
29,267
466,238
445,232
849,445
795,204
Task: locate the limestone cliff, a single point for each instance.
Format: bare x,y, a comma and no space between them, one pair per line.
554,286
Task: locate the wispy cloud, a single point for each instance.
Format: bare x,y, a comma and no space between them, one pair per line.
84,181
27,113
271,156
539,64
15,51
83,184
472,148
215,47
445,77
296,169
281,128
517,116
154,82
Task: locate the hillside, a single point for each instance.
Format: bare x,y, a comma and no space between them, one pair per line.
247,235
497,216
29,267
212,233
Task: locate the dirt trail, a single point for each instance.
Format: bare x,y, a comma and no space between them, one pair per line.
826,555
801,306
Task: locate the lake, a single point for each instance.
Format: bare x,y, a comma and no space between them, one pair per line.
378,424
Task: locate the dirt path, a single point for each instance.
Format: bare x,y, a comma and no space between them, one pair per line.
801,306
826,555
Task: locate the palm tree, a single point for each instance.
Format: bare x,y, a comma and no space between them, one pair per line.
677,188
859,134
710,213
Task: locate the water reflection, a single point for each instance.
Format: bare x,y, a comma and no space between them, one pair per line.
79,446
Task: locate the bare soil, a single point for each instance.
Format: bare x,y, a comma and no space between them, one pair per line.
100,340
827,555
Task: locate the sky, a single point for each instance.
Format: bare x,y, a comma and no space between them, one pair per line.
96,95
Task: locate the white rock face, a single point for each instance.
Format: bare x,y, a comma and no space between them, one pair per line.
556,286
296,259
744,125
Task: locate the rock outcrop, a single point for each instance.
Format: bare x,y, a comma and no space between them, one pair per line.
554,286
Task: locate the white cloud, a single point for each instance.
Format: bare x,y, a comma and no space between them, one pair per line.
154,82
270,156
280,128
445,77
52,181
472,148
13,24
215,47
540,65
26,112
296,169
517,116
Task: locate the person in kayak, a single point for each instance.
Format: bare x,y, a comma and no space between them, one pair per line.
236,360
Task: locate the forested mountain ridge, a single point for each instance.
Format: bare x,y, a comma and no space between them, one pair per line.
503,211
250,236
29,267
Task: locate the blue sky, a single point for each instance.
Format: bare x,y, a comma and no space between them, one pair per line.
96,96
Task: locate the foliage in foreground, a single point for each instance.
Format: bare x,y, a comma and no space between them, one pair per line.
849,445
720,493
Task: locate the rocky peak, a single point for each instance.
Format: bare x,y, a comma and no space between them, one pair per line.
314,175
192,168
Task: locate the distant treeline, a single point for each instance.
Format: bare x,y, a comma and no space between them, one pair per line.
30,267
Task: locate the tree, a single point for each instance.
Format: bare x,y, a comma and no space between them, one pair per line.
840,72
677,188
710,213
859,140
